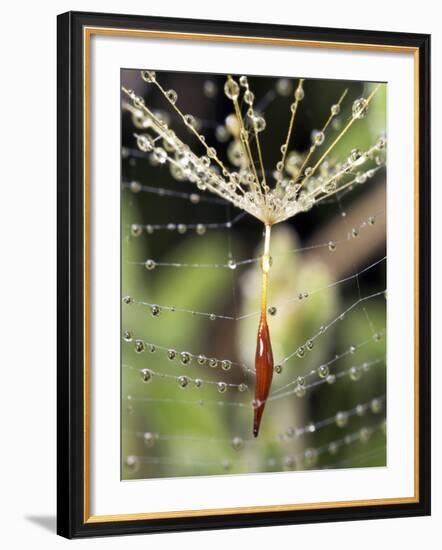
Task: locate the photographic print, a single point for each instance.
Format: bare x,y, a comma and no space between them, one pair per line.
253,274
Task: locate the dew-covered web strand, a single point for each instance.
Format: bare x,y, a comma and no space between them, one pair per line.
312,378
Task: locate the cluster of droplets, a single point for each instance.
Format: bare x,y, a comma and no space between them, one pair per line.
299,186
302,460
185,358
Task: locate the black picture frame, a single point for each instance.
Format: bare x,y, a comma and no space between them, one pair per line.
72,393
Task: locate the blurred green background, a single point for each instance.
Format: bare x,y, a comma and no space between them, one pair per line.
167,430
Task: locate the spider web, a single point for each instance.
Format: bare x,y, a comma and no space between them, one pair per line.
190,310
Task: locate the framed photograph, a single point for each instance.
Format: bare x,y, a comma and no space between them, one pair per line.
243,274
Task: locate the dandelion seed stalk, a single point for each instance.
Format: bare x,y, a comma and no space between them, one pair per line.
264,354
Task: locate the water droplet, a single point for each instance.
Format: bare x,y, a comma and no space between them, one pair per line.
311,428
155,311
352,349
300,352
309,344
331,379
201,359
139,346
226,364
150,264
189,121
231,89
210,89
146,375
171,354
231,264
242,388
318,138
341,419
135,187
198,382
237,443
283,86
152,348
377,337
323,371
308,171
299,93
354,232
360,108
249,97
131,463
355,155
335,109
299,391
272,310
127,336
259,123
355,374
185,358
200,229
360,409
371,220
159,155
194,198
145,143
149,229
278,369
333,448
183,381
213,363
172,96
221,386
149,439
148,76
243,81
212,317
364,434
381,143
376,405
361,177
182,228
136,230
